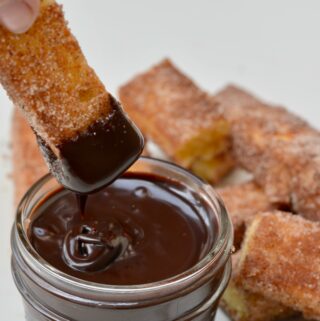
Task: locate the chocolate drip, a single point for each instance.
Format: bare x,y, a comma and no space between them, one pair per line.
82,200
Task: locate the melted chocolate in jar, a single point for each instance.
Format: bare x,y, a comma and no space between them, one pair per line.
140,229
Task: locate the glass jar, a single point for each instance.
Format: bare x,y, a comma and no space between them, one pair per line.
50,294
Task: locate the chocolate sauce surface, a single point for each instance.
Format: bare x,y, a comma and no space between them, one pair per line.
140,229
96,157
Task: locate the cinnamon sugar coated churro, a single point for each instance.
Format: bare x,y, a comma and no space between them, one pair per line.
243,202
280,259
181,119
46,74
243,305
28,163
279,148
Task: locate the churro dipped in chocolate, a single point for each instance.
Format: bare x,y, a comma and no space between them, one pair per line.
181,119
279,148
280,259
243,305
28,163
86,138
243,202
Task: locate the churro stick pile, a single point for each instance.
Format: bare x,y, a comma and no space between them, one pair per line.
282,152
278,148
184,121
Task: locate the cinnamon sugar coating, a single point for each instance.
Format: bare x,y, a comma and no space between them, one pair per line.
164,94
182,119
243,305
46,74
279,148
281,260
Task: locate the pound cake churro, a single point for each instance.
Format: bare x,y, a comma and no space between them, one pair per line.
181,119
85,136
280,259
243,305
243,202
279,148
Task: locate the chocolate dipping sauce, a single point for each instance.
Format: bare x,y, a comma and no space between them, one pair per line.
142,228
178,222
98,156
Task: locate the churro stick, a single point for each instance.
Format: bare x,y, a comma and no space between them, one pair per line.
281,260
243,305
85,136
256,129
28,163
279,148
181,119
243,202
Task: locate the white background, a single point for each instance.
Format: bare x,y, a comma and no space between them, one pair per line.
271,47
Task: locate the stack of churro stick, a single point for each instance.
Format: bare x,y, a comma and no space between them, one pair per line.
277,147
280,149
45,74
282,152
180,118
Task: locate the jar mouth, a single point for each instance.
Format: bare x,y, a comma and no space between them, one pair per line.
216,257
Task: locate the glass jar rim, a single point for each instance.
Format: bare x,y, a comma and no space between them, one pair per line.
218,253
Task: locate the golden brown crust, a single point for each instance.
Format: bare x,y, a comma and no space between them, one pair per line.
238,104
257,129
244,202
277,147
281,260
46,74
243,305
178,116
163,100
303,158
28,164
